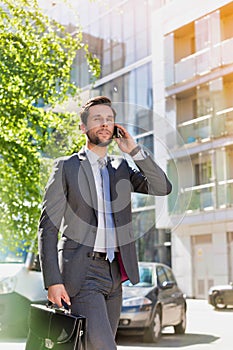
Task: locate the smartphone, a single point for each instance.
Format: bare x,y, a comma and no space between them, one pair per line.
117,132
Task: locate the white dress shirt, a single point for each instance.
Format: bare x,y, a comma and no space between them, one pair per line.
100,235
100,245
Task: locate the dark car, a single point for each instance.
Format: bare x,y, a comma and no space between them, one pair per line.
152,304
221,296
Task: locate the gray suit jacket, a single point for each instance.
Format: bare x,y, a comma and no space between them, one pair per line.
70,207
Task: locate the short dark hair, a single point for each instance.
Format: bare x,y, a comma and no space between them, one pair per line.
98,100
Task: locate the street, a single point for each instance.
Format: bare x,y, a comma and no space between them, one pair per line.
206,329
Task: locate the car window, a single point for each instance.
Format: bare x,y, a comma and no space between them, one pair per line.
161,275
145,275
170,275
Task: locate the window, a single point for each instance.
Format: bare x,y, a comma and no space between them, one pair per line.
145,276
134,87
170,275
203,173
161,275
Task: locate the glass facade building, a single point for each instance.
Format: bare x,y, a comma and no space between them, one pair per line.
119,33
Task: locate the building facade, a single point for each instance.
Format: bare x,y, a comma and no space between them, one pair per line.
119,34
168,68
193,90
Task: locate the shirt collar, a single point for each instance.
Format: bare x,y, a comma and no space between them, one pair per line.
92,156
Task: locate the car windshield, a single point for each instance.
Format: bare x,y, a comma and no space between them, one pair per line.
146,280
7,256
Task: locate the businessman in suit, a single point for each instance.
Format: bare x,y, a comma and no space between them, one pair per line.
82,268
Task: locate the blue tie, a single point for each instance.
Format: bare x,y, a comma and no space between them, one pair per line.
109,224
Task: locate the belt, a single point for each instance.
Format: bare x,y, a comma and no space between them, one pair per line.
97,255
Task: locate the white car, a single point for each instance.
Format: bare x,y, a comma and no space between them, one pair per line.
221,296
20,285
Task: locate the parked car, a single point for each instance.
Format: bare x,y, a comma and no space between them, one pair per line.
20,285
152,304
221,296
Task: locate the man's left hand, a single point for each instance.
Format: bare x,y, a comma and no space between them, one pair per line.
126,142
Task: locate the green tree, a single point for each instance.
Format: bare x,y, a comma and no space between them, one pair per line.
36,56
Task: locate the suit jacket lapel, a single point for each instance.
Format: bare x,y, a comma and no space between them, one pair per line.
86,166
111,175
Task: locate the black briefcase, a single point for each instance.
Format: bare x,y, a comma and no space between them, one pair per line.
57,329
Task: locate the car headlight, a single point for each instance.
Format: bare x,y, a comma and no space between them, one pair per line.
7,285
137,301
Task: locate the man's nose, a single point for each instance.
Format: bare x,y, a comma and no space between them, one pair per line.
106,122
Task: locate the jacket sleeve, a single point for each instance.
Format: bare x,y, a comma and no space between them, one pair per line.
151,179
53,208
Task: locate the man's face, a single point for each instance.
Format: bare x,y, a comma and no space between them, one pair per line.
100,125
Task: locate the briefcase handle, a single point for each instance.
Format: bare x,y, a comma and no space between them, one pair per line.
65,309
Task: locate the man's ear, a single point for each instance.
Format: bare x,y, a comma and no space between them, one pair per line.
83,128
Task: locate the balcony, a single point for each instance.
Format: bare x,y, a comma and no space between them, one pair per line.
207,127
204,198
202,62
225,193
223,122
196,129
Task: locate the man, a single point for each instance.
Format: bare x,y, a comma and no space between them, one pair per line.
84,270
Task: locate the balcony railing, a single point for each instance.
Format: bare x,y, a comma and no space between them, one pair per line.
203,61
207,127
225,193
204,197
223,122
196,129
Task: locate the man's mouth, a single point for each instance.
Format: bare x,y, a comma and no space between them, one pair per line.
104,133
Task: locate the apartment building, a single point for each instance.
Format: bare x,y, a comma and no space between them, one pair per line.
192,64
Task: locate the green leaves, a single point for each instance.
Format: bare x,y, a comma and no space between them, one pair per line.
36,56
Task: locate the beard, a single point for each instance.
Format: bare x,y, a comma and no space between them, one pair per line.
95,140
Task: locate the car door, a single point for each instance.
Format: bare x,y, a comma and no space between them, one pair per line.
164,295
168,294
175,298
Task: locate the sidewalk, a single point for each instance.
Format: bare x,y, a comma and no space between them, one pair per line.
13,345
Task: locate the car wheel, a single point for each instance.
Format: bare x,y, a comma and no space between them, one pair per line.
218,301
181,327
153,333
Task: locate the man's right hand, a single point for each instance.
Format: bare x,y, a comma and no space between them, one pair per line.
57,293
